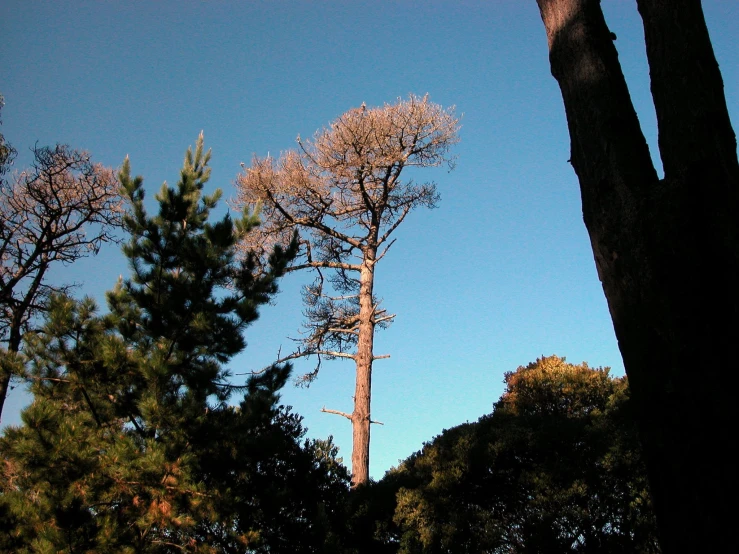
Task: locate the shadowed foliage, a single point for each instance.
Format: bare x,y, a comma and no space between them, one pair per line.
555,467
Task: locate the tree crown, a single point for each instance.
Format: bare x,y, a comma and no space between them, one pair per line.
345,184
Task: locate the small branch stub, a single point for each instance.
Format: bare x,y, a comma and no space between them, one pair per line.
347,416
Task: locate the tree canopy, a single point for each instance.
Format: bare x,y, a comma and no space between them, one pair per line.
556,467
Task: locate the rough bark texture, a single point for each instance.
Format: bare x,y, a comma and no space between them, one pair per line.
361,417
666,250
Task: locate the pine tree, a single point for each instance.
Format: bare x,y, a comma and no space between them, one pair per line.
130,444
345,193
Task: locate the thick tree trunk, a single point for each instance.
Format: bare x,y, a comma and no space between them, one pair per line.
361,417
667,251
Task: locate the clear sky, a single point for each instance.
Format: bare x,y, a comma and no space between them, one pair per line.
498,275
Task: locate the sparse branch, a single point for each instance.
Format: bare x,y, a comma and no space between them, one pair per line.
394,226
347,416
305,222
300,354
382,254
336,354
353,331
342,414
280,360
311,222
325,265
384,318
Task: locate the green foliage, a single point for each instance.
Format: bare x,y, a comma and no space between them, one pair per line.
555,468
130,444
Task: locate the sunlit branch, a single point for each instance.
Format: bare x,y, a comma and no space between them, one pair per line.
342,414
384,318
325,265
394,226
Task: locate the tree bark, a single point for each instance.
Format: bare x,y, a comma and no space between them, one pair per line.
14,345
666,251
5,377
361,417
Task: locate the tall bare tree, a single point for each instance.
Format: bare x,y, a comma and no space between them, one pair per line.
666,250
61,209
343,194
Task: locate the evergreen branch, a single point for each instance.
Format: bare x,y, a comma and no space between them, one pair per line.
136,425
92,408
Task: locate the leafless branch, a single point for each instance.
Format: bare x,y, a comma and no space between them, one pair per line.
347,416
384,318
382,254
280,360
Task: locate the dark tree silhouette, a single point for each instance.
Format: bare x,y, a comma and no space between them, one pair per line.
666,250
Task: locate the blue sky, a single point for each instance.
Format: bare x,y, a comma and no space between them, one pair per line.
498,275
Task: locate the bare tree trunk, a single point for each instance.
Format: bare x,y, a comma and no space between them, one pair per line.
667,251
5,376
14,345
361,417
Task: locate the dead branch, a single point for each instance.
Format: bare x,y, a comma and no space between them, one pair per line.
343,414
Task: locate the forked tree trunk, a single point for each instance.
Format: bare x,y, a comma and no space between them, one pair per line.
361,417
667,251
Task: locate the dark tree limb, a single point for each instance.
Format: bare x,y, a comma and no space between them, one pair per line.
667,251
